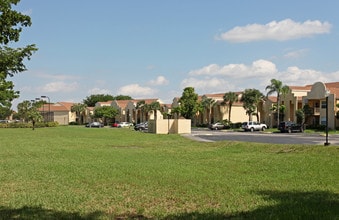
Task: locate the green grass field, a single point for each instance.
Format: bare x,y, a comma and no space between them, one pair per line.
90,173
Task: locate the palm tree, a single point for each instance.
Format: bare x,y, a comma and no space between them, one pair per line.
276,86
34,115
154,106
208,103
139,107
79,109
230,98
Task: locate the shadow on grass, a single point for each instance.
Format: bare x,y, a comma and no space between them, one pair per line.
286,205
38,213
28,213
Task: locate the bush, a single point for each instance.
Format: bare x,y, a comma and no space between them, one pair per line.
52,124
29,125
236,125
317,127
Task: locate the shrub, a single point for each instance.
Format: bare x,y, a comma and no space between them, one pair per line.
52,124
236,125
29,125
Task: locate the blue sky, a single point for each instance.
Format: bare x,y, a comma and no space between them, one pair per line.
154,49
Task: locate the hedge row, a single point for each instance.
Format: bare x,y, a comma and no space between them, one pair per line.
29,125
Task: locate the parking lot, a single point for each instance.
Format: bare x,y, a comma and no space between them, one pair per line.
264,137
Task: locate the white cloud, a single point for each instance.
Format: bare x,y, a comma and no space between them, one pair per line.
296,54
159,81
137,91
214,78
94,91
59,87
227,70
207,85
280,31
59,77
263,68
258,68
295,76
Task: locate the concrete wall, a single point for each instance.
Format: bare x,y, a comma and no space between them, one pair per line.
64,118
182,126
169,126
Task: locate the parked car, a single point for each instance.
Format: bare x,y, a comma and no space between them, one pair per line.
289,126
253,126
94,125
115,124
141,126
124,124
217,126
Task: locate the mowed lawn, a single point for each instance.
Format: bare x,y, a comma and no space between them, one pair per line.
110,173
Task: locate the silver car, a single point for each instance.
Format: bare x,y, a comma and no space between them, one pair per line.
217,126
94,125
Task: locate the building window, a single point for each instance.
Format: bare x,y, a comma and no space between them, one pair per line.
323,121
323,104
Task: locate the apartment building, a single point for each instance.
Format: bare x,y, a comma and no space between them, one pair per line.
314,96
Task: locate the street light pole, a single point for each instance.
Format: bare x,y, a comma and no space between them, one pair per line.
49,106
326,143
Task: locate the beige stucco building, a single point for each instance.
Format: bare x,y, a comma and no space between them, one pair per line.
59,112
315,97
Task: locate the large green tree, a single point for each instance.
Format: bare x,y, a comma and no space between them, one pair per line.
277,87
23,109
188,103
5,112
251,99
11,59
92,99
28,111
122,97
105,113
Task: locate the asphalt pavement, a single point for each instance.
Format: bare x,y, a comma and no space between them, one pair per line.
206,135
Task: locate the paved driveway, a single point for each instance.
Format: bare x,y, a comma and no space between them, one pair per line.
260,137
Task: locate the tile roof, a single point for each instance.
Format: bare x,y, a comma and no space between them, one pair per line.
122,103
57,107
307,87
333,87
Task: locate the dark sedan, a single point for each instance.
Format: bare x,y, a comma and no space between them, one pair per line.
141,127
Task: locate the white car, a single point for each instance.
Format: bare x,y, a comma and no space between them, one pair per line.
95,125
124,124
253,126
